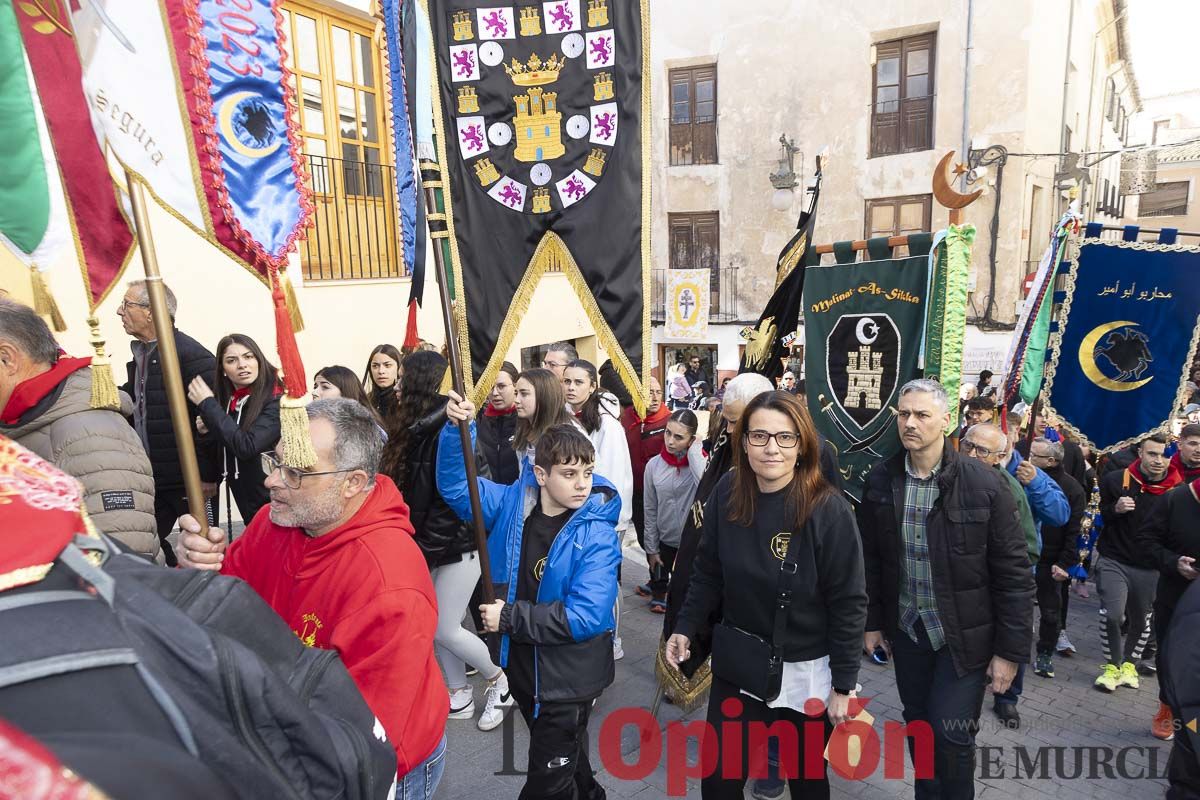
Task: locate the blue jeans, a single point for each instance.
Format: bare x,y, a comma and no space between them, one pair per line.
1014,691
420,782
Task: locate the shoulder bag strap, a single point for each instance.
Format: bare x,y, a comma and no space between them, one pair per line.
783,599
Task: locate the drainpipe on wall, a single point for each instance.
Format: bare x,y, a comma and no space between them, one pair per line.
1062,125
964,153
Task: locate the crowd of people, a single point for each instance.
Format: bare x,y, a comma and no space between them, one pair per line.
372,552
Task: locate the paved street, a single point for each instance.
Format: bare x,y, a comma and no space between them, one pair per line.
1065,713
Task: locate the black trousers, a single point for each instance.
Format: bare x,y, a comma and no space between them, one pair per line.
1162,621
660,578
559,768
727,782
639,516
170,503
933,692
1050,605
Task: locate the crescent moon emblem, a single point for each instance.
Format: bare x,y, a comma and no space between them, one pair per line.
225,123
860,331
945,195
1087,360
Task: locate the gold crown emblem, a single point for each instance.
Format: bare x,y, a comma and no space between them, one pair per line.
535,72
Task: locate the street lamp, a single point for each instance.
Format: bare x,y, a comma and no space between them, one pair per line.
784,178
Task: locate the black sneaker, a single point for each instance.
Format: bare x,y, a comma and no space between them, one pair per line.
1007,712
1044,665
1147,667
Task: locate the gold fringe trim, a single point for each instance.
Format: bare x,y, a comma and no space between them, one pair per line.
297,443
293,305
104,387
23,576
686,695
44,302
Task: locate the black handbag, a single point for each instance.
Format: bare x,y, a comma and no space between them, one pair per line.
747,660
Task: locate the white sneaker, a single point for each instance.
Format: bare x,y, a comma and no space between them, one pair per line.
618,651
496,700
462,703
1064,645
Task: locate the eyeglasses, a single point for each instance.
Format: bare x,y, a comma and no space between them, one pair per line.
292,476
967,447
125,303
548,364
785,439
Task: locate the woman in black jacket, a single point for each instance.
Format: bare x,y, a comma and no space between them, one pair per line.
242,418
381,379
410,459
772,509
497,424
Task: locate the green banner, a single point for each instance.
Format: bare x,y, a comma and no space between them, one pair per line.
24,196
863,324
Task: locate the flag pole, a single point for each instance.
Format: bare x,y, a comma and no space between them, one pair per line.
431,179
164,329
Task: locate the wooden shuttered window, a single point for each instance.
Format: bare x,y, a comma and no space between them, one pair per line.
902,94
693,103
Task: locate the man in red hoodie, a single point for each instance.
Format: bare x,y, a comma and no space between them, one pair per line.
329,556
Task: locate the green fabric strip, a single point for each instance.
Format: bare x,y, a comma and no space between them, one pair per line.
842,253
1033,371
24,193
935,315
878,249
957,248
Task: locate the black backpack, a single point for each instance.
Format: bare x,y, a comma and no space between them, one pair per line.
243,695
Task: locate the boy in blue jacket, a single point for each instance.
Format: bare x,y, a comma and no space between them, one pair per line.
554,554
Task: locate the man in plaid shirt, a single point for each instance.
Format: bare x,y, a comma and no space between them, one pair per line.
948,582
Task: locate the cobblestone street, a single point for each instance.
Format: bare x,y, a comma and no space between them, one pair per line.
1064,712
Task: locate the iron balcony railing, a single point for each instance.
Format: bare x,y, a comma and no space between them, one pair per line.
353,233
722,295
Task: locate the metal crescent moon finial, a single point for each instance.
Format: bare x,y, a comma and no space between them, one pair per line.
945,195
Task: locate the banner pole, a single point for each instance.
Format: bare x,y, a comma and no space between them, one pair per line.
431,178
164,329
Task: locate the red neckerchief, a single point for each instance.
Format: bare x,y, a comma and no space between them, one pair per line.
678,462
658,416
236,398
491,411
1189,473
32,391
1172,479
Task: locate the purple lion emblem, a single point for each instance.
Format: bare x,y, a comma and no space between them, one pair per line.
604,124
510,196
561,16
464,63
602,49
496,24
574,188
473,137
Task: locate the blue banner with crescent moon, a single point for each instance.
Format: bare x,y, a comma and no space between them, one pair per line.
259,185
1127,337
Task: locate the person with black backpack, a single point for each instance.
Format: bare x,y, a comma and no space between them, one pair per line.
335,557
154,682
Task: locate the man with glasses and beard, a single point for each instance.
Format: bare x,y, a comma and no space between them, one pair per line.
336,559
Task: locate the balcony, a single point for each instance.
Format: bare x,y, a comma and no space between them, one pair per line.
354,233
722,295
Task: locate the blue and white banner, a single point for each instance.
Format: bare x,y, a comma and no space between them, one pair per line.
1128,335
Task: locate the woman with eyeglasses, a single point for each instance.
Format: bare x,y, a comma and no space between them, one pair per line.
242,418
789,650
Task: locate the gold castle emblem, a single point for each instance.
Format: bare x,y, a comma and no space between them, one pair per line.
541,200
535,72
531,21
597,13
468,101
603,87
463,29
486,171
538,124
595,162
864,371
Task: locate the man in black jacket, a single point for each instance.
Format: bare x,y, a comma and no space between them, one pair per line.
1181,684
948,582
1059,552
1171,536
151,414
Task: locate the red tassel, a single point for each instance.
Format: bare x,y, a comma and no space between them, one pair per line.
411,340
294,380
1004,419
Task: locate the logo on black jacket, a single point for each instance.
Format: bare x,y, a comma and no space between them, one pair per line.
779,544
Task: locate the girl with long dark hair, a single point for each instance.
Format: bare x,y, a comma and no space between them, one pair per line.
410,459
242,418
541,404
381,379
776,523
600,415
496,426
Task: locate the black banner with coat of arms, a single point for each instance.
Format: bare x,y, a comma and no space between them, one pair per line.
863,329
541,112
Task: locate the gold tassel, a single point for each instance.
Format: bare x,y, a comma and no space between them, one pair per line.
293,305
44,302
104,387
298,448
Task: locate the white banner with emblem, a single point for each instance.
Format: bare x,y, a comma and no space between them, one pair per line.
687,303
